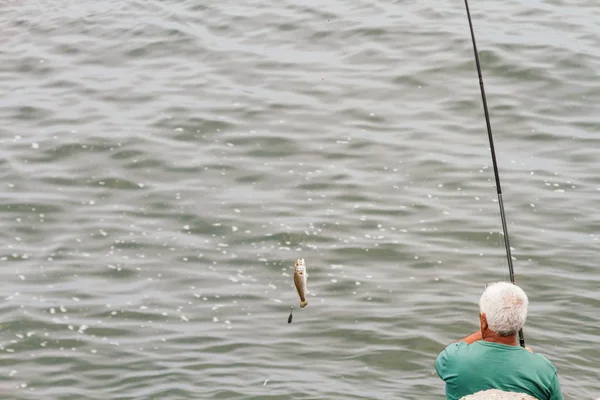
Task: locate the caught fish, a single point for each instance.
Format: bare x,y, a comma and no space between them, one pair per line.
300,276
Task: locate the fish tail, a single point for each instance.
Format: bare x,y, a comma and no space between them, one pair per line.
303,303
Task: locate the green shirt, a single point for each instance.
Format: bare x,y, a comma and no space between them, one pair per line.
470,368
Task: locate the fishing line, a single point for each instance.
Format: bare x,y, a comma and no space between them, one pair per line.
496,174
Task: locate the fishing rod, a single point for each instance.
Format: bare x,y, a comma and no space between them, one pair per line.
496,174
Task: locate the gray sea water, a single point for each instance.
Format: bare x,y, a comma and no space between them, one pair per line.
163,164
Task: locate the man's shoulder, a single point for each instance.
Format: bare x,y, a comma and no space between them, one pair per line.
476,349
447,356
542,362
455,347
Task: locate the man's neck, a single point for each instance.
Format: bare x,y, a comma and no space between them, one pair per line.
508,340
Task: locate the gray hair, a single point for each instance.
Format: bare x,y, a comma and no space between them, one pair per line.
505,307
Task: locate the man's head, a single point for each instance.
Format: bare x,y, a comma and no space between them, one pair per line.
503,308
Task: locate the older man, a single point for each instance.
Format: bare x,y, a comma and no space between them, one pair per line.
491,358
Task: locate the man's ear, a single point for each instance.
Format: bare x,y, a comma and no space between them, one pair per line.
483,325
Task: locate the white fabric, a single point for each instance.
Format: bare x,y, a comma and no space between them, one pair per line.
494,394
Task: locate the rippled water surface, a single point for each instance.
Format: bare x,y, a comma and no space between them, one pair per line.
165,162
